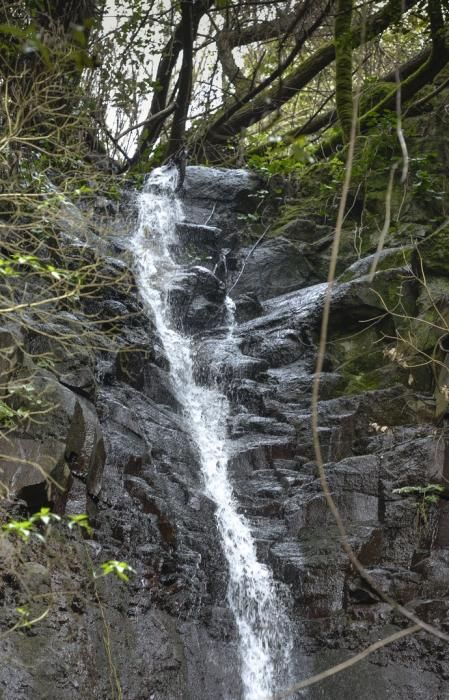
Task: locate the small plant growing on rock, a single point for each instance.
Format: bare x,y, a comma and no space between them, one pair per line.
118,568
425,495
27,528
80,520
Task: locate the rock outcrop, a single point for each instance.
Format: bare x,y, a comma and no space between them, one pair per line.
115,436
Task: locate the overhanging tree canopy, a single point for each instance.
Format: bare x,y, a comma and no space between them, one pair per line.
149,77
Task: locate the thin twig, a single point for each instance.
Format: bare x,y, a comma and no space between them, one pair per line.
163,113
338,668
259,240
387,221
400,132
211,214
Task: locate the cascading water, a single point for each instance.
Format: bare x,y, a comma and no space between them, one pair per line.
265,639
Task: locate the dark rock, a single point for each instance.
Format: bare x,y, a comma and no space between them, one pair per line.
71,442
363,298
219,360
196,298
218,184
52,345
219,197
304,230
203,239
103,205
248,306
170,632
274,268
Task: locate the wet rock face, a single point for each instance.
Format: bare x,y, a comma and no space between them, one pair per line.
196,299
275,267
39,460
119,427
218,197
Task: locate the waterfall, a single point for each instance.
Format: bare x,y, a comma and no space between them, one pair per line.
262,623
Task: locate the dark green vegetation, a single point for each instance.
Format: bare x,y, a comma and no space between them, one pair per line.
410,219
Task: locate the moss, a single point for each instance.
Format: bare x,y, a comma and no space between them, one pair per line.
382,378
363,364
347,276
353,357
357,358
289,213
425,331
318,187
374,92
434,251
343,66
360,383
396,291
431,321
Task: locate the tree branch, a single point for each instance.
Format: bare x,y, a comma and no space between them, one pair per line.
324,120
185,78
267,102
167,63
214,132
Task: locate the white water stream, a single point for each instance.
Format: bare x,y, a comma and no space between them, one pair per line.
265,640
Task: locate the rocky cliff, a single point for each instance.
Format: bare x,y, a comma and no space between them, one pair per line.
112,441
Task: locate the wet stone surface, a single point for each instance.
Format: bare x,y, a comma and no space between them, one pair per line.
170,631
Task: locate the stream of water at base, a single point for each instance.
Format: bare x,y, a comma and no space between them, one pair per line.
264,632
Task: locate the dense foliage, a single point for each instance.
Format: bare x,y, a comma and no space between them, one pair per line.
127,81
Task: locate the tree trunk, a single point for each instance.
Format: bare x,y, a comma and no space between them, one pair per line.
185,79
343,66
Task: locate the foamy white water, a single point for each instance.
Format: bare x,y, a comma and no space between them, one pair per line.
264,632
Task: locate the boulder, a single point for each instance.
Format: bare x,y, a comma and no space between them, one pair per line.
275,267
40,454
219,197
196,299
218,184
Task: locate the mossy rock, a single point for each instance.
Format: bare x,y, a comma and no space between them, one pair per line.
434,251
434,293
359,383
386,377
373,358
397,290
431,322
409,232
358,359
358,352
390,258
302,229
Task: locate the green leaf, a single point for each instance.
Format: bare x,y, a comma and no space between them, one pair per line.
426,489
80,520
21,528
13,30
118,568
45,516
6,413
